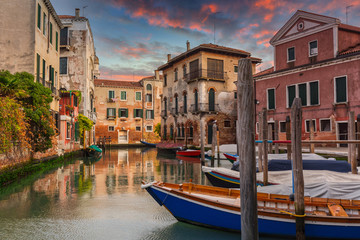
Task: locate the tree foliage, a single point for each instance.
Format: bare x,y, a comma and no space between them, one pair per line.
84,124
35,101
157,129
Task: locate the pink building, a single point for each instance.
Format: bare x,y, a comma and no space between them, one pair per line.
316,58
69,139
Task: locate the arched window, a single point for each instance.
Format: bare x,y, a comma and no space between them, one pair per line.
175,74
165,132
211,100
191,131
178,130
196,100
184,70
176,104
182,130
165,106
185,102
148,87
171,132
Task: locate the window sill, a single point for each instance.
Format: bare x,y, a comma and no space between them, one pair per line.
341,103
290,61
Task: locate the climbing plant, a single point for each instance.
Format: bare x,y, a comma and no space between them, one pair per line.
157,129
84,124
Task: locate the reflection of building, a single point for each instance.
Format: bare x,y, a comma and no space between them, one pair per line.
128,111
79,65
317,58
29,41
199,86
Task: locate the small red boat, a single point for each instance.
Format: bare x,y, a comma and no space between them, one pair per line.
231,157
189,153
188,159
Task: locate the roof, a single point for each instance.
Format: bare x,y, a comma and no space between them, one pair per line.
266,71
70,17
209,47
53,12
349,27
116,83
352,49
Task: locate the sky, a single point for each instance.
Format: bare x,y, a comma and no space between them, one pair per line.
133,37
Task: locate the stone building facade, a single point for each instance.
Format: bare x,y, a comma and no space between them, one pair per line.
199,86
317,58
79,65
128,111
29,41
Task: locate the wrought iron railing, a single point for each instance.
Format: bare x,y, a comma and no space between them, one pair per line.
205,73
204,107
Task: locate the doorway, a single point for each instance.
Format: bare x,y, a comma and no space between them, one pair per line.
210,132
122,136
342,132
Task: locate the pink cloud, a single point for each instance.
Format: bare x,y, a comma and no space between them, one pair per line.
123,77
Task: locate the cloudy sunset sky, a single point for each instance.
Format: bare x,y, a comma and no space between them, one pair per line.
133,37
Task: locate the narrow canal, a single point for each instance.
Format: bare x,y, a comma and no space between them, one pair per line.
102,200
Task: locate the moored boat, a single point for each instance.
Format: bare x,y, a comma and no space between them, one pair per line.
188,159
231,157
148,144
189,153
93,151
169,148
220,208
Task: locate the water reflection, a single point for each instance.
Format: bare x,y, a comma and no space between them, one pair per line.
103,198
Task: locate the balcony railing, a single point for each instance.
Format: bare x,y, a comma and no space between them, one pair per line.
163,114
206,74
204,107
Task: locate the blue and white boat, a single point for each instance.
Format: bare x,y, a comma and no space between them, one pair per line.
220,208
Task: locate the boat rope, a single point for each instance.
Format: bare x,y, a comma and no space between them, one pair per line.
292,214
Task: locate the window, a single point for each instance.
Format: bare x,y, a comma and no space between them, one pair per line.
37,67
191,131
123,113
313,48
138,128
165,80
111,94
236,68
44,24
111,113
50,33
64,40
235,95
291,54
182,130
149,128
227,123
171,131
196,100
175,74
185,102
165,132
308,92
137,96
165,106
111,128
271,98
149,114
340,90
138,113
282,127
148,97
215,68
43,69
63,65
68,130
51,75
184,70
123,95
39,17
325,125
75,100
176,104
149,87
77,131
257,127
307,125
57,41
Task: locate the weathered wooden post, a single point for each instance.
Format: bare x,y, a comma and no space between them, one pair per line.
218,144
270,137
264,144
296,119
202,140
351,146
312,146
260,146
246,145
358,137
213,143
276,136
288,137
237,137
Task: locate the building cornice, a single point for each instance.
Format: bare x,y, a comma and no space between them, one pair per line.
53,12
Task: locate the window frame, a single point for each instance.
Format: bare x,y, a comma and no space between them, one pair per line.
147,87
121,99
287,52
151,112
146,128
111,130
68,130
113,91
308,120
112,116
236,69
136,94
135,115
335,89
267,98
322,119
229,121
67,66
308,93
39,12
280,122
136,129
317,48
126,112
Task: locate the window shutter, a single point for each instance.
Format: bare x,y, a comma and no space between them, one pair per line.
271,98
44,69
50,33
291,95
37,67
57,41
340,89
52,76
302,94
119,112
126,112
141,113
314,93
107,112
39,17
134,113
152,114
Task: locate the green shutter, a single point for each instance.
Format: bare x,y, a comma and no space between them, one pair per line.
291,95
314,93
341,89
57,41
50,32
39,17
119,112
37,67
141,113
302,94
271,98
44,69
52,76
134,113
76,131
152,114
44,23
138,96
107,112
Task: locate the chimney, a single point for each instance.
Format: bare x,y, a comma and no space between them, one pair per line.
77,13
169,57
187,45
156,74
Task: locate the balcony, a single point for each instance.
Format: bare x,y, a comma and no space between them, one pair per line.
204,108
174,111
163,114
110,117
93,116
110,100
206,74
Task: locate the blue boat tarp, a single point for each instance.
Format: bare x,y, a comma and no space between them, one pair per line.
330,165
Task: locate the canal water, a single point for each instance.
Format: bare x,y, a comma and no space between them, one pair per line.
101,200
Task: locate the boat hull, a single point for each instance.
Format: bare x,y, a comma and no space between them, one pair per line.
192,153
187,208
230,157
148,144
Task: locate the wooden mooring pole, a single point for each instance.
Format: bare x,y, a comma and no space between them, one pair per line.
264,146
276,136
351,146
202,135
246,146
296,120
260,137
358,136
312,146
213,143
288,137
270,137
